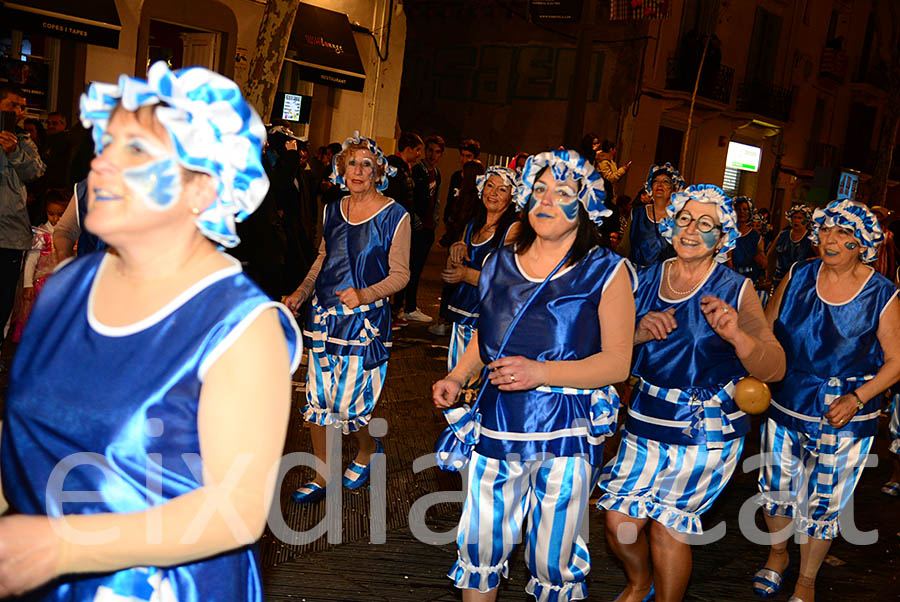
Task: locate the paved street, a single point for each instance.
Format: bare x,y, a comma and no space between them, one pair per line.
407,569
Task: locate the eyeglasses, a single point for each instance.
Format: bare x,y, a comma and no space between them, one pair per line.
704,222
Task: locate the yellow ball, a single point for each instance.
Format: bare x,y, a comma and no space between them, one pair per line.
752,395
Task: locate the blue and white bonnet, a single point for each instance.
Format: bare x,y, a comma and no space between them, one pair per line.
800,208
509,176
213,129
704,193
356,139
849,214
565,164
678,182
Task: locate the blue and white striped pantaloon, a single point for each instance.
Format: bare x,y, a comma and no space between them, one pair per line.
895,424
460,336
340,391
551,497
810,483
671,484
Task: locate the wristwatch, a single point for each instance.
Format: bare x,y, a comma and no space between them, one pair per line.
859,402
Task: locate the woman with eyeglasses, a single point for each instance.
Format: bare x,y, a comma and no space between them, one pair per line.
700,329
839,322
645,243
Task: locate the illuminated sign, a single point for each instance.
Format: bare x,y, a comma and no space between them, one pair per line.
743,156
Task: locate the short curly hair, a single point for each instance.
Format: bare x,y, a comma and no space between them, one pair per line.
340,160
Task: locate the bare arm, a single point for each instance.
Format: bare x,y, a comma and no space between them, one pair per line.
889,338
240,446
612,365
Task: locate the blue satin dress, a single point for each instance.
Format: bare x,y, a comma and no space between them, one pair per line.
357,256
684,432
125,399
830,349
462,304
647,244
788,252
561,324
745,249
693,359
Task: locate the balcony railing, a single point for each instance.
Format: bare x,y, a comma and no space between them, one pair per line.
820,154
765,99
833,64
715,80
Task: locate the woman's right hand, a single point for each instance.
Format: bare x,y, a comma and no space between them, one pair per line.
655,325
29,553
444,392
294,301
458,252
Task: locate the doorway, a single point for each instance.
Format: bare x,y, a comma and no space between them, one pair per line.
182,46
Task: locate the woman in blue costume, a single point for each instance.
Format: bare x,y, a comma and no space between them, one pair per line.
748,257
792,245
363,259
494,225
700,329
137,467
647,245
547,403
839,323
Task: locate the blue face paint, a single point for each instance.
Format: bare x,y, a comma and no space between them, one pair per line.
157,183
710,238
851,245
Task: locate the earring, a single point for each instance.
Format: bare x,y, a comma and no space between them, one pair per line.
195,210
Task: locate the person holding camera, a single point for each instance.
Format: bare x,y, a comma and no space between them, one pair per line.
20,162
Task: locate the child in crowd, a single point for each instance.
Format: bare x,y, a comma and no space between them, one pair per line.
39,261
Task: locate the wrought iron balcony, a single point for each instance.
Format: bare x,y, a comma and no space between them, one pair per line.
833,64
715,80
767,100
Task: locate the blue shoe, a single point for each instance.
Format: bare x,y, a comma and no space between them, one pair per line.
309,493
651,595
767,582
357,474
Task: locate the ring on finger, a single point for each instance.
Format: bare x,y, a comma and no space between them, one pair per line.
724,310
512,378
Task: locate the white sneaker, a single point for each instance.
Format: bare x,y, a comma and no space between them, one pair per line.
417,316
440,330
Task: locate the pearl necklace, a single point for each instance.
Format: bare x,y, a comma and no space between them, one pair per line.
693,288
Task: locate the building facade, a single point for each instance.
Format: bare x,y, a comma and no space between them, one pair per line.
70,44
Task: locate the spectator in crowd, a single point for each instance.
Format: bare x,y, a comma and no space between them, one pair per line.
426,186
469,150
40,260
605,161
19,163
56,152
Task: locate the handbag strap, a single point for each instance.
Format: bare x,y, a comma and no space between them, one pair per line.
516,319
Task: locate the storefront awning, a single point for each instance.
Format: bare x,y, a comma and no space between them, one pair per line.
89,21
323,49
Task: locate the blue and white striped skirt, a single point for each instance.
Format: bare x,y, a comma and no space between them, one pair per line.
340,391
807,480
551,498
895,423
460,337
672,484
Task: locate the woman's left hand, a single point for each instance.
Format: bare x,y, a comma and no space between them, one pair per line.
841,411
517,373
29,553
454,274
349,297
722,318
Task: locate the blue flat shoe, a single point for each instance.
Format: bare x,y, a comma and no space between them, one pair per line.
651,595
767,582
357,474
309,493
